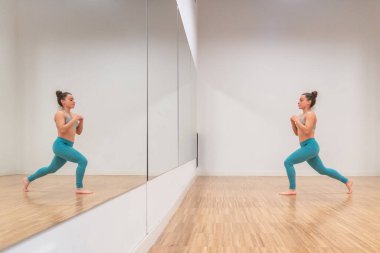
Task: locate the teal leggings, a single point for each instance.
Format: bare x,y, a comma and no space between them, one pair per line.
309,152
64,151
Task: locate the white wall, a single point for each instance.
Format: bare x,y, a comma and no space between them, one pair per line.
8,94
164,191
257,57
188,10
97,51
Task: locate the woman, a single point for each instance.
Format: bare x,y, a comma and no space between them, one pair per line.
304,127
68,124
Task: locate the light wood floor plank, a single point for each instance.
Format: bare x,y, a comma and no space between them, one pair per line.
246,214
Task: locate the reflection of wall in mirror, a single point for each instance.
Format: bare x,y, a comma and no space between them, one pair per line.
188,10
97,52
162,87
9,114
186,100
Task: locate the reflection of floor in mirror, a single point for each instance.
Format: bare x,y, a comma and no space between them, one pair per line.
246,214
51,200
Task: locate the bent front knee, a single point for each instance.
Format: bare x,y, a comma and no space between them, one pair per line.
52,170
322,172
83,161
288,162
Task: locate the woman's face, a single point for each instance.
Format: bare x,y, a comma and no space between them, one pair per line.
304,103
68,102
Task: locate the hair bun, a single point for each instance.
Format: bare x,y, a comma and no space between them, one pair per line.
58,93
314,94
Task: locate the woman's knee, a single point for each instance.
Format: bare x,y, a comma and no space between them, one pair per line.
288,162
83,161
52,169
321,171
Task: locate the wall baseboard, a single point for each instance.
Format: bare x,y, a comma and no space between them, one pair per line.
10,172
269,173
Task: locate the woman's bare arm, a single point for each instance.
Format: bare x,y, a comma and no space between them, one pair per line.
80,127
294,127
60,122
310,120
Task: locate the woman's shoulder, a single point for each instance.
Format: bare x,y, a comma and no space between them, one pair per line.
310,114
60,113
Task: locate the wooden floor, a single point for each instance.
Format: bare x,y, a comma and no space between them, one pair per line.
50,201
245,214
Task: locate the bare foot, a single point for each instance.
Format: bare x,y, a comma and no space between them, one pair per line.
349,186
83,191
290,192
25,183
